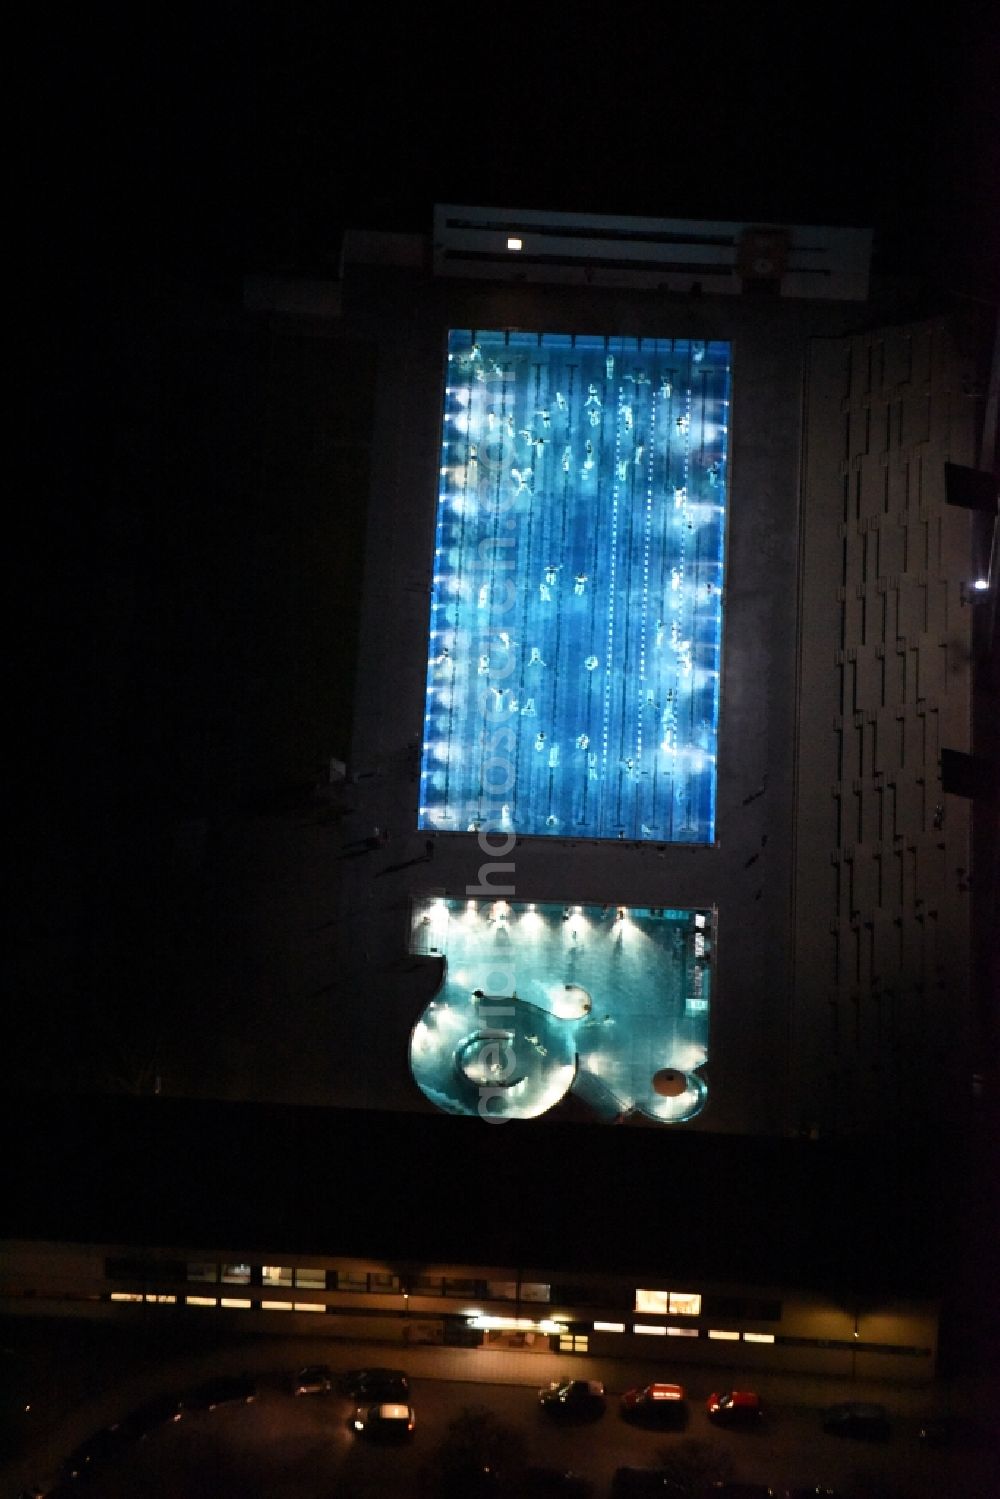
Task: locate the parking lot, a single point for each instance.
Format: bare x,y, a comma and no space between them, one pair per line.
304,1448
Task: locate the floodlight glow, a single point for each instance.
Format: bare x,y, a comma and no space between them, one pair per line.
981,584
687,1058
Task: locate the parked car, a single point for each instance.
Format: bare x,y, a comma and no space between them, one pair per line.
856,1418
644,1483
314,1379
226,1389
385,1420
580,1399
376,1386
655,1405
735,1408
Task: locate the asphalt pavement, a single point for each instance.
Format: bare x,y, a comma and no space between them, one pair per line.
98,1388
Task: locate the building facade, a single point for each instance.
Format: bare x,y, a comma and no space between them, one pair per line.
476,1306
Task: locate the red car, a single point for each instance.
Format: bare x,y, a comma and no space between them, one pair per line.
655,1405
735,1408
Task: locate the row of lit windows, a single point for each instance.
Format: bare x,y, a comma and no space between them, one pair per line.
649,1302
668,1303
270,1275
655,1330
372,1282
237,1302
569,1340
690,1304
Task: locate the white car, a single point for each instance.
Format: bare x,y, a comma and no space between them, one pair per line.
387,1420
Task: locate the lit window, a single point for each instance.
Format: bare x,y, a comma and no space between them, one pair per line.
682,1332
501,1290
236,1274
645,1327
728,1337
513,243
758,1337
235,1302
126,1296
532,1290
316,1279
309,1306
277,1275
276,1306
609,1326
200,1300
573,1342
685,1304
162,1300
651,1301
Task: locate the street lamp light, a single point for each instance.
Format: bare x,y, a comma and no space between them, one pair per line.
971,592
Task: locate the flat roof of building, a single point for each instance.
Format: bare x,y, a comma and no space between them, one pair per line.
419,1188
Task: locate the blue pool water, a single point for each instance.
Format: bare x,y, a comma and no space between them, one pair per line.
611,1003
576,611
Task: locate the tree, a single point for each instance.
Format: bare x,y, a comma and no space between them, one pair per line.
479,1457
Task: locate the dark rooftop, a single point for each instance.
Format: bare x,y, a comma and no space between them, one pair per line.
417,1189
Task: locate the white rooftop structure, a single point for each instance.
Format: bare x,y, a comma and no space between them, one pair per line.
678,255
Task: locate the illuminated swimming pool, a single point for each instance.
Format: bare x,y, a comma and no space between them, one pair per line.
608,1002
576,610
